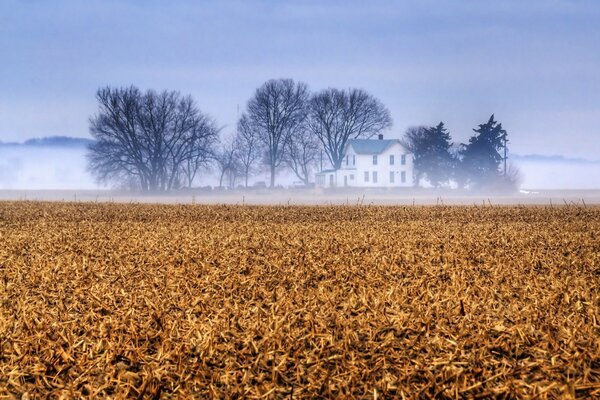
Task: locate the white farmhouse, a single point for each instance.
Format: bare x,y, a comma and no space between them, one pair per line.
371,163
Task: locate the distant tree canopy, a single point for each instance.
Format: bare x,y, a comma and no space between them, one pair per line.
436,161
292,126
301,152
336,116
476,163
161,141
430,147
228,160
275,112
155,139
249,147
481,157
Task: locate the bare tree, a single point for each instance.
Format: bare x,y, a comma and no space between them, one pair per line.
336,116
248,145
276,109
149,137
200,152
302,150
228,163
415,141
119,151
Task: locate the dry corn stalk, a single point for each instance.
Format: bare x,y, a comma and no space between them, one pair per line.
303,302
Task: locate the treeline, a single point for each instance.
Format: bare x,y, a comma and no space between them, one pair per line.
481,163
161,141
155,141
150,141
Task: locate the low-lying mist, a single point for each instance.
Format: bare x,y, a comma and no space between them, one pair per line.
64,168
564,175
44,168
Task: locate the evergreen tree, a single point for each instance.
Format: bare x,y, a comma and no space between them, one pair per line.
432,158
437,161
481,157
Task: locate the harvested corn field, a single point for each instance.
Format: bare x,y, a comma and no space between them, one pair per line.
116,300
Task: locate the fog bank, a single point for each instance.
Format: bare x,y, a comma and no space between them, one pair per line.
29,167
562,175
39,167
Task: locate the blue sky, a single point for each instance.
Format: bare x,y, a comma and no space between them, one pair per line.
535,64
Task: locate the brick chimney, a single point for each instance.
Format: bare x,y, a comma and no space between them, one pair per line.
380,136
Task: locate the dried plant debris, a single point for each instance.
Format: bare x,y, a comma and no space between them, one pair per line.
157,301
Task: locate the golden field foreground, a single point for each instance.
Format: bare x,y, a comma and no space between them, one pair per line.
116,300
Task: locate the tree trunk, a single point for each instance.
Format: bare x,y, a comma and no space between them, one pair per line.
221,179
305,179
337,164
272,176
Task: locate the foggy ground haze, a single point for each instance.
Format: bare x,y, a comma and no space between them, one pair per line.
54,167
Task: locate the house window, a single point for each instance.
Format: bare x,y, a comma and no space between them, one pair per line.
366,176
403,176
403,159
374,176
353,159
391,176
391,159
331,180
375,160
347,160
351,177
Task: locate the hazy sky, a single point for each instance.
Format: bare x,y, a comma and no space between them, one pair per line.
535,64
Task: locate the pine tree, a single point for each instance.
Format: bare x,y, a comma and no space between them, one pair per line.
436,162
481,157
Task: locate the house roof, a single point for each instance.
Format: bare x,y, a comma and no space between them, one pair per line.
370,146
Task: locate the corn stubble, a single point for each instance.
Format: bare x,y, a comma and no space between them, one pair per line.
149,301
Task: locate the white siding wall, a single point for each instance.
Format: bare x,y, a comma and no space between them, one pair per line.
349,173
364,163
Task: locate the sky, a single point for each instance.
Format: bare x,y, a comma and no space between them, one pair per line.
534,64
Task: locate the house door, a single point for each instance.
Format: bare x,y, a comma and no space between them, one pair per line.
345,180
331,180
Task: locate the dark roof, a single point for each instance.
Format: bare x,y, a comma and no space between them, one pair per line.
371,146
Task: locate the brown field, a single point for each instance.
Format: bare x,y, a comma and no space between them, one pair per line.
165,301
